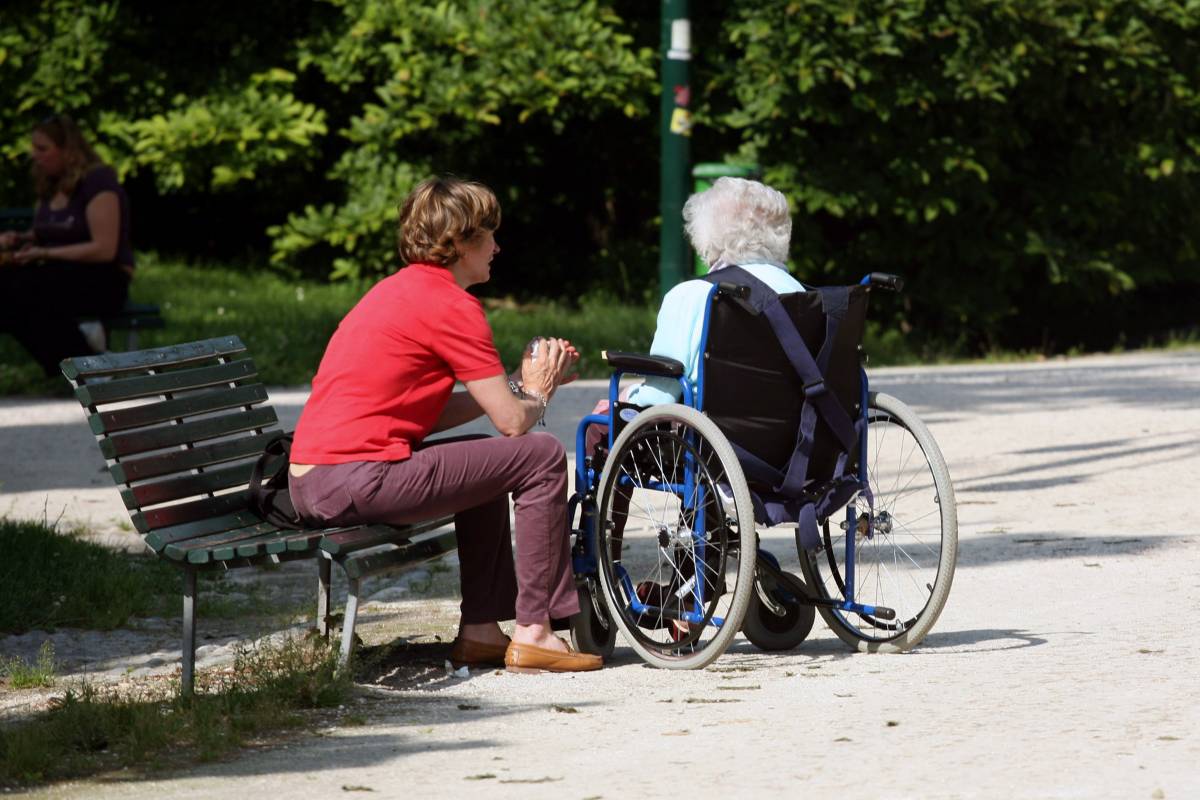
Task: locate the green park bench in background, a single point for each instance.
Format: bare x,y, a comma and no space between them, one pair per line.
181,429
131,319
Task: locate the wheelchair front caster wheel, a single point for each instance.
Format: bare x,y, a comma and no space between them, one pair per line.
768,630
592,629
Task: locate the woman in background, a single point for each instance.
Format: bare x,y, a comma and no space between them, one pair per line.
77,260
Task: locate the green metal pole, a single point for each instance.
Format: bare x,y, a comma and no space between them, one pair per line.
676,144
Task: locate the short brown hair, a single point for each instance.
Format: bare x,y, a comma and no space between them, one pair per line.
440,211
78,156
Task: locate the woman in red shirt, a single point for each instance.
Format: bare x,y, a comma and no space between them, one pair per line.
386,382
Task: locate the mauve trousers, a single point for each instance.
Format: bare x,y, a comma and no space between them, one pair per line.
470,477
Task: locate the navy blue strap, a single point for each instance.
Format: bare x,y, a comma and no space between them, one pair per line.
816,395
788,501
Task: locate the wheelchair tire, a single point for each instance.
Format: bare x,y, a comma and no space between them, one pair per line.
693,590
908,562
591,632
768,631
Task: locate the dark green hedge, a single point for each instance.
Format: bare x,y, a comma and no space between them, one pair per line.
1029,165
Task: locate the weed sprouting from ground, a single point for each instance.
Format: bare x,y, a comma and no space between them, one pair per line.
20,674
90,728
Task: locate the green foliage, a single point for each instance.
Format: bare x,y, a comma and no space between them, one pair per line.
324,115
102,62
217,141
1007,157
1030,166
92,729
436,84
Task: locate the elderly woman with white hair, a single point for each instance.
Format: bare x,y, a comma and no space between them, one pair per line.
735,222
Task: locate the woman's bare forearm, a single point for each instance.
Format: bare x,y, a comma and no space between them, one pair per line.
460,409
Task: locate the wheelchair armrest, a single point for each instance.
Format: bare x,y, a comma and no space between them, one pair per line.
643,364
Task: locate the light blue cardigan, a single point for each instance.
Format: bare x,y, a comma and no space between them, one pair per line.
681,325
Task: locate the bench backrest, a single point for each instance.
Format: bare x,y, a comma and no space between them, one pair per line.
181,428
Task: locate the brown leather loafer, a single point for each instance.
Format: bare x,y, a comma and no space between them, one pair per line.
529,658
469,653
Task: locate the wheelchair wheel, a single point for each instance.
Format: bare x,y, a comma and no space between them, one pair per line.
675,542
787,624
592,631
905,560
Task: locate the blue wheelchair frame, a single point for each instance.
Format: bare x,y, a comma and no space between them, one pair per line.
587,483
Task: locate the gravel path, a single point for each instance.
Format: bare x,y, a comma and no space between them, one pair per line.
1056,670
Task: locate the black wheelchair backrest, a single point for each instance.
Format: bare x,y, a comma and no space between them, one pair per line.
752,392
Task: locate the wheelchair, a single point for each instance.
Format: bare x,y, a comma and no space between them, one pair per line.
780,430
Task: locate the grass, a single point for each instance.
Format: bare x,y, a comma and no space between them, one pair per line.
54,579
287,323
20,674
91,730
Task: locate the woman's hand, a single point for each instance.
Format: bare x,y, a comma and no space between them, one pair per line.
548,370
8,240
30,253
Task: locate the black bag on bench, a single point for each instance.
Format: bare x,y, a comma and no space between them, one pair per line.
270,499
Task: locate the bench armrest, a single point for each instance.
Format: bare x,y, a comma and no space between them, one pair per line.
644,364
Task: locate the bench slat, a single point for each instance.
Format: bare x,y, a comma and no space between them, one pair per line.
177,408
338,543
189,520
177,488
135,469
259,531
125,444
180,380
295,541
245,544
411,553
155,358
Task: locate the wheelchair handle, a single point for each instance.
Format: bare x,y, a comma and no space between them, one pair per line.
734,290
884,280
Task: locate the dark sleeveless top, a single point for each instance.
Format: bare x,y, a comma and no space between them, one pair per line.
68,225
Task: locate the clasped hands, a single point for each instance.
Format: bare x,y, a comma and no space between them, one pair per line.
27,254
545,365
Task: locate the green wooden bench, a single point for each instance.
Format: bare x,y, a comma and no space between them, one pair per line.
181,428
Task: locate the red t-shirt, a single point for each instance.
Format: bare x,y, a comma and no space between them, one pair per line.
390,368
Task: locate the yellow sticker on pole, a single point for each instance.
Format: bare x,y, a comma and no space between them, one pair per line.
681,122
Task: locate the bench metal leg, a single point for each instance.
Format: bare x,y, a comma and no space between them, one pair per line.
324,568
348,622
189,631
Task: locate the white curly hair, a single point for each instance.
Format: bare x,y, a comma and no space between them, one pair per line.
737,221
